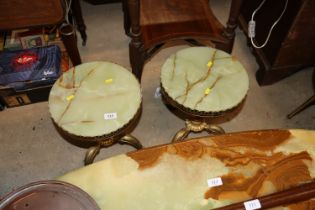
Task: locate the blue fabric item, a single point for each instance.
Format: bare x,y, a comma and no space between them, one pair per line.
30,67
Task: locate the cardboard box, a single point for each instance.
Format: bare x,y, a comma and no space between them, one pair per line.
26,76
9,97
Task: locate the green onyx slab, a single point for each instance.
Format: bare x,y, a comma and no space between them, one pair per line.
204,79
94,99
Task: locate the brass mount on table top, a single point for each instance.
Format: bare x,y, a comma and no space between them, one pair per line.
196,121
94,150
120,136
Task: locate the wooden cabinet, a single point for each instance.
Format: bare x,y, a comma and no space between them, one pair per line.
96,2
36,14
292,43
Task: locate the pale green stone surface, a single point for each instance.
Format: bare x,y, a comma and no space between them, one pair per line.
177,183
185,76
173,184
94,97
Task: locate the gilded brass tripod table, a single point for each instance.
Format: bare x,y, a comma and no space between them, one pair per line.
203,83
96,104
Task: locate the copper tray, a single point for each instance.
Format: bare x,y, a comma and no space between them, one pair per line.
48,195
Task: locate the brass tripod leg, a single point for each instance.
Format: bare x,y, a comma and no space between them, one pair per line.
91,154
93,151
131,140
196,126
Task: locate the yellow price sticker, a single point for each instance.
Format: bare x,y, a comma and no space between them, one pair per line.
207,91
108,81
209,64
70,97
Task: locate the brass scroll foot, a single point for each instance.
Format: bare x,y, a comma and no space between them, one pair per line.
91,154
93,151
131,140
196,127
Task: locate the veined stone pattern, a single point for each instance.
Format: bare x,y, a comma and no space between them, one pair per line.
174,177
94,99
204,79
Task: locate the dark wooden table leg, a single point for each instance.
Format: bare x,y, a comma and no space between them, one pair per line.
229,31
77,13
136,51
70,42
126,17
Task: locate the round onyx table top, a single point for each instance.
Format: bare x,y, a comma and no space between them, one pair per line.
204,79
94,99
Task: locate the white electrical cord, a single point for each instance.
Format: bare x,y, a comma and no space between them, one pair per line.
252,25
66,24
68,7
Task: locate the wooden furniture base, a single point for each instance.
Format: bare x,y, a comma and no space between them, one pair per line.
291,44
77,14
151,24
32,14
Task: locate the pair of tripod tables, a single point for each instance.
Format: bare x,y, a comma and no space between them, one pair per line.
97,104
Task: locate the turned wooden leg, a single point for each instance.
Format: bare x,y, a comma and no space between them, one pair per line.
136,51
70,42
136,56
231,25
77,12
126,17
